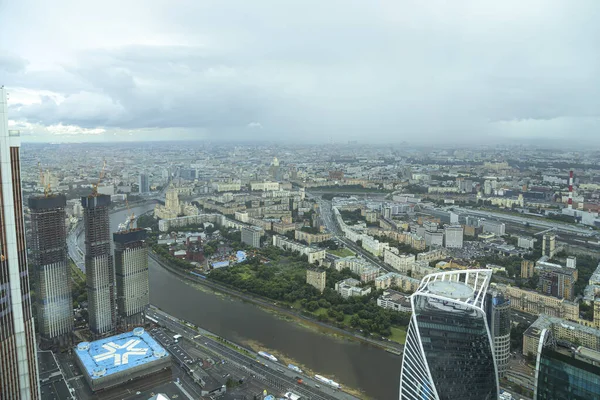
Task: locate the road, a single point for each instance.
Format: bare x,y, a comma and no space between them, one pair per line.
326,210
270,372
531,221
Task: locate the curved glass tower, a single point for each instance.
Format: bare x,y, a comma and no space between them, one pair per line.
449,352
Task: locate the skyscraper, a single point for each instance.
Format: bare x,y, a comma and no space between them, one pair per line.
49,261
549,245
449,351
131,267
498,316
565,374
144,184
99,269
18,360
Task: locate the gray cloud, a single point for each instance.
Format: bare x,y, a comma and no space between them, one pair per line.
388,71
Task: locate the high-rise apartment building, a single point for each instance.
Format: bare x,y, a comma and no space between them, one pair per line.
496,227
527,269
449,351
549,245
317,278
50,262
453,236
556,280
562,374
251,236
498,316
144,183
99,268
18,360
131,270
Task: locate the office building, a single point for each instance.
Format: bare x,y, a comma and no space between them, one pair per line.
527,269
18,360
498,316
99,268
496,227
50,262
562,374
449,352
453,236
144,184
556,280
131,270
316,277
119,359
251,236
549,245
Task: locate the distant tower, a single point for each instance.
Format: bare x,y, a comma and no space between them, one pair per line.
99,269
549,245
570,201
144,184
172,199
18,362
49,260
131,267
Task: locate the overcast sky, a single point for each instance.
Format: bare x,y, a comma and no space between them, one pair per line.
373,71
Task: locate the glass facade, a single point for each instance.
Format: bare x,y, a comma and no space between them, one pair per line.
457,349
562,377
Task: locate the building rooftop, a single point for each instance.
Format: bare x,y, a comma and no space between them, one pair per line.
545,321
118,353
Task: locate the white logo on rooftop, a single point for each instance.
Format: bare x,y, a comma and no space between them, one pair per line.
113,351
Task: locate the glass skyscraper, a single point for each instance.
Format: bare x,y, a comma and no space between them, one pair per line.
18,360
564,374
449,350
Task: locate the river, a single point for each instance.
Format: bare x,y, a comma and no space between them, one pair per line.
353,364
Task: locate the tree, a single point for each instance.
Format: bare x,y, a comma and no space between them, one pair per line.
312,306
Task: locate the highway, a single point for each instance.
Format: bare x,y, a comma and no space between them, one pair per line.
270,372
326,210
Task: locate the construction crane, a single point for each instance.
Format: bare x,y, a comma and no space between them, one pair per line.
95,185
47,186
128,225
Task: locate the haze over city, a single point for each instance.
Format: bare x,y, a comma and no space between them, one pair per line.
378,72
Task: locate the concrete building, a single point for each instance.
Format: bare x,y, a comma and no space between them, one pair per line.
496,227
526,242
400,262
434,239
432,255
393,300
527,269
49,261
359,266
453,237
316,277
549,245
564,330
498,316
313,254
533,302
228,187
264,186
349,288
143,183
251,236
556,280
18,370
117,360
402,282
311,238
99,268
131,267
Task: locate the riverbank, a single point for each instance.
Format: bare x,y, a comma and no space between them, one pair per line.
271,306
